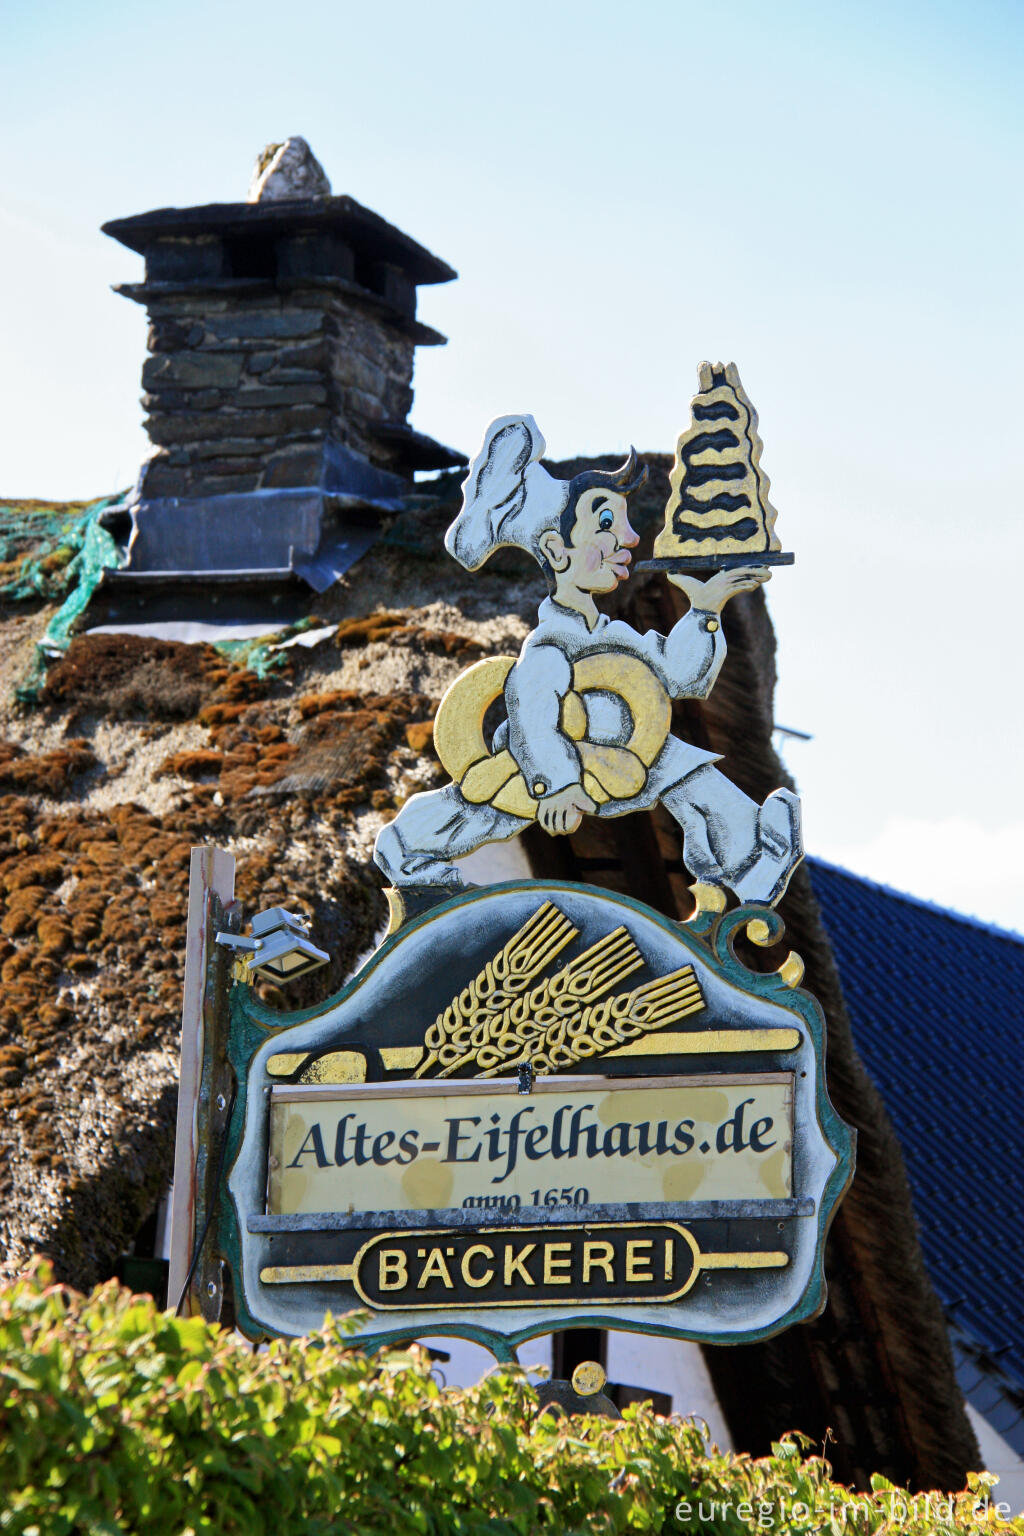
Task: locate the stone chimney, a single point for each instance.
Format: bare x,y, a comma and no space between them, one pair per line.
279,378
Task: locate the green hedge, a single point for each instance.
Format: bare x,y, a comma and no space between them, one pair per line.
115,1417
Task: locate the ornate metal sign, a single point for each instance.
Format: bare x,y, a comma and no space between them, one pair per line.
672,1167
543,1104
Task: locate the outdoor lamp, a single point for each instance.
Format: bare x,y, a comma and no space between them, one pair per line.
279,949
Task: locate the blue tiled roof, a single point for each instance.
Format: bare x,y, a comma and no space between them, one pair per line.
936,1003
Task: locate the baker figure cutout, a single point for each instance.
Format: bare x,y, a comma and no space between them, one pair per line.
588,699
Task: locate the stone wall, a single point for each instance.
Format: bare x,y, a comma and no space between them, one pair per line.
242,392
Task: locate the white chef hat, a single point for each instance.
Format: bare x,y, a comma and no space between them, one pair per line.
507,497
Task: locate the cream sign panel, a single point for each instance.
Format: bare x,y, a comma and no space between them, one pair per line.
572,1141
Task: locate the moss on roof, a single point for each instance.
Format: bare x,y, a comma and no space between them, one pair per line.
137,750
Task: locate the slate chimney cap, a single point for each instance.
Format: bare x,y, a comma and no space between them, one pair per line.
362,228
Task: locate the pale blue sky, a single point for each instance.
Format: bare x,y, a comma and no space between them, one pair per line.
827,194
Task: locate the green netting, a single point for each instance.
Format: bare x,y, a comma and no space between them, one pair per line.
37,544
266,653
96,553
259,654
51,551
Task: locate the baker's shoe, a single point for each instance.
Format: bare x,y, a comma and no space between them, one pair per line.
779,828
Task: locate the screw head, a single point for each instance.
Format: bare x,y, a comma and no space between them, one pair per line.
222,1103
211,1288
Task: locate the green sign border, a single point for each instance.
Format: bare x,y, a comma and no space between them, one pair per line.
710,938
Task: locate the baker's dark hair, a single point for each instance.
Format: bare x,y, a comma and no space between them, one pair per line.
629,477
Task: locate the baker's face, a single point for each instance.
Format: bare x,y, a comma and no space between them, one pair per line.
602,538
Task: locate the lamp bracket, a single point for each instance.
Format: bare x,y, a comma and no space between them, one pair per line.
236,941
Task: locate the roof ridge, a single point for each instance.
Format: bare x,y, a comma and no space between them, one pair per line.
918,901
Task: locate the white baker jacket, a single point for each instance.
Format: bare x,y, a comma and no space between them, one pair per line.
687,661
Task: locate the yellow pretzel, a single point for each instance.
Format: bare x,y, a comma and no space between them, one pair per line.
609,772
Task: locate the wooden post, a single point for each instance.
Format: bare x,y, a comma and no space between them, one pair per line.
211,881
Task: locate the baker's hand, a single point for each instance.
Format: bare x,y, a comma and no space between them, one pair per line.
564,810
712,595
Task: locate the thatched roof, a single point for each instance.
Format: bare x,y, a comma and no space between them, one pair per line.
138,749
